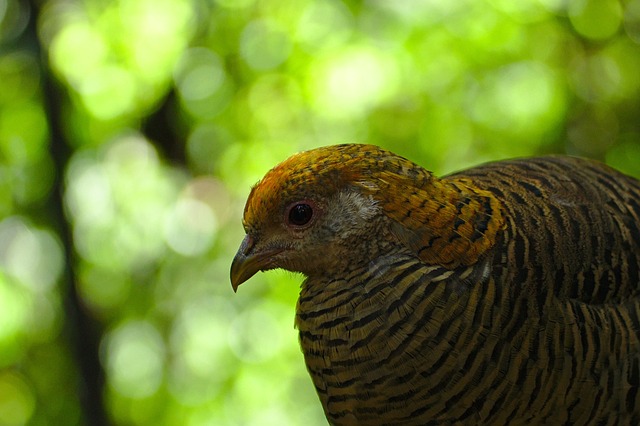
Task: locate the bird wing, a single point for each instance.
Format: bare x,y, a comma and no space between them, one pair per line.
571,224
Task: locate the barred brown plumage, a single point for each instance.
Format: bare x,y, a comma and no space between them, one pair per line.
508,293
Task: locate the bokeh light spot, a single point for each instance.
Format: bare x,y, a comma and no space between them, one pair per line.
520,97
264,46
199,74
32,256
596,77
23,133
109,92
202,358
235,4
190,227
352,81
205,145
103,289
275,101
255,334
15,304
20,77
201,81
89,196
595,19
134,196
77,51
134,358
14,17
593,133
523,11
625,156
632,20
17,401
157,31
324,25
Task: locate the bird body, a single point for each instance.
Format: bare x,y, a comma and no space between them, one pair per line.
505,294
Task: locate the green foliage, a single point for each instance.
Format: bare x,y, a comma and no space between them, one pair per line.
172,109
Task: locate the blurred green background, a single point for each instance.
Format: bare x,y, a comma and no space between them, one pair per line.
132,130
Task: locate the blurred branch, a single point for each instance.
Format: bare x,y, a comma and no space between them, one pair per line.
81,330
160,129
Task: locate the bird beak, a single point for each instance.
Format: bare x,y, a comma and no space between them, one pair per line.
246,263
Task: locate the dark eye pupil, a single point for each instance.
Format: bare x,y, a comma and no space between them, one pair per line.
300,214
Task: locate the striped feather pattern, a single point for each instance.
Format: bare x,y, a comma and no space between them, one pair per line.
542,329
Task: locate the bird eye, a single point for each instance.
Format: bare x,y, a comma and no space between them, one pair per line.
300,214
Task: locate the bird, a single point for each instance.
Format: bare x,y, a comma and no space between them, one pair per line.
504,294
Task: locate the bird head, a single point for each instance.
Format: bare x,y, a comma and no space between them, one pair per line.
309,213
331,209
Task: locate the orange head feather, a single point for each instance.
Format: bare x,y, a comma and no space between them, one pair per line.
321,172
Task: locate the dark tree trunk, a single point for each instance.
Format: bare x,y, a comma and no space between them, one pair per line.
81,331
